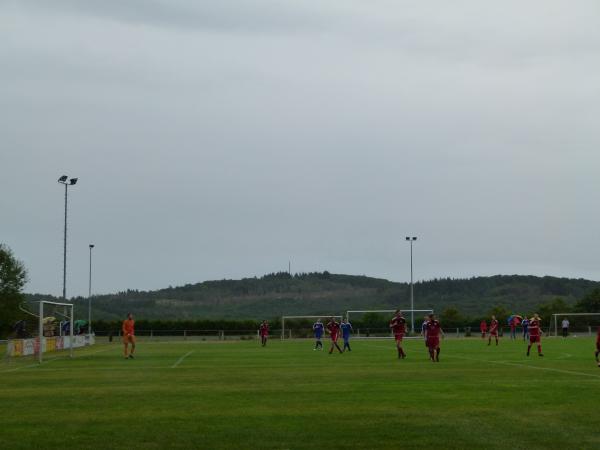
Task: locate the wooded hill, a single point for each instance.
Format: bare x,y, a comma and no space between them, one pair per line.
324,293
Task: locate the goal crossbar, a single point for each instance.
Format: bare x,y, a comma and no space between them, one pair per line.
387,311
56,303
310,317
337,316
377,311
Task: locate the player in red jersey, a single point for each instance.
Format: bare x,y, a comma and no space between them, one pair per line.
333,328
493,330
535,334
483,328
264,332
398,326
597,346
433,329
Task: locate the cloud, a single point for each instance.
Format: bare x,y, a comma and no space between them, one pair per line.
261,16
219,139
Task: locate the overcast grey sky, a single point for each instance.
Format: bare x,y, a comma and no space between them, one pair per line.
219,139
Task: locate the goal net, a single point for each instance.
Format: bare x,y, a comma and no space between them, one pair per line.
56,330
302,326
578,323
374,323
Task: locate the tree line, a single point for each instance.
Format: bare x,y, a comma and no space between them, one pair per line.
241,304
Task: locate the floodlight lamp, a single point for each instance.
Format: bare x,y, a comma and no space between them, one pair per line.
414,238
63,179
407,238
91,245
73,181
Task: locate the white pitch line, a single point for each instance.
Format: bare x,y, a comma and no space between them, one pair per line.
182,358
99,369
37,364
505,363
83,355
22,367
49,360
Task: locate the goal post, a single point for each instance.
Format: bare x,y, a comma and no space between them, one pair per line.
388,311
322,316
557,315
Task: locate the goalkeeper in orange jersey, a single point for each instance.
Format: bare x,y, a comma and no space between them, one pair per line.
128,330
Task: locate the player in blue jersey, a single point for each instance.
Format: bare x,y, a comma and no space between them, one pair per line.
318,329
346,331
525,325
424,328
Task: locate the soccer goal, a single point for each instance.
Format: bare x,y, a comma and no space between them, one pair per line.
301,326
51,333
374,323
581,322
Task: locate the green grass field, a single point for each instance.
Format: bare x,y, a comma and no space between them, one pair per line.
239,395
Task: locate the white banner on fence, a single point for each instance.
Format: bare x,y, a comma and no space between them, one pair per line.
28,347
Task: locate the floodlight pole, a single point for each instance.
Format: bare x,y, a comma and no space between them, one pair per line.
90,294
71,182
65,247
412,297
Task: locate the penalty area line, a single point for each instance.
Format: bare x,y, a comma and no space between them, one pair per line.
55,358
37,364
179,361
506,363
